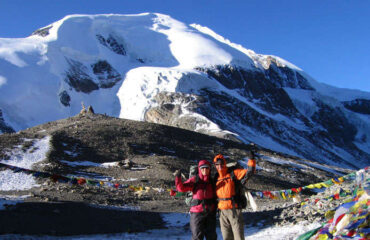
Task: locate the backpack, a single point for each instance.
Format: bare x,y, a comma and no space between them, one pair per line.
240,196
193,171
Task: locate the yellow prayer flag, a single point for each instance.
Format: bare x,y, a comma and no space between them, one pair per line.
283,196
323,237
310,186
325,185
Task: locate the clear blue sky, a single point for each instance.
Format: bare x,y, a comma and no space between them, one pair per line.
330,39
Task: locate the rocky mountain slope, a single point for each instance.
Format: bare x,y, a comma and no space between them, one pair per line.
151,67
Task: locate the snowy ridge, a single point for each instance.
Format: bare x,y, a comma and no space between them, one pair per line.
340,94
259,59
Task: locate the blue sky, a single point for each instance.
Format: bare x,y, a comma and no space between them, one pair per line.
330,39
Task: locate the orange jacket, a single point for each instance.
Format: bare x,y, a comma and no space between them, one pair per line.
225,186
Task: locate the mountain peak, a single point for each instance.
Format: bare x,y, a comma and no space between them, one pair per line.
151,67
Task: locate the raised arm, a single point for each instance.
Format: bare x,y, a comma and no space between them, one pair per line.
251,168
186,186
244,174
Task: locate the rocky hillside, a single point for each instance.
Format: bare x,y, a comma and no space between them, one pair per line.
273,110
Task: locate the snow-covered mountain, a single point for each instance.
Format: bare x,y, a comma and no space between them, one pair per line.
151,67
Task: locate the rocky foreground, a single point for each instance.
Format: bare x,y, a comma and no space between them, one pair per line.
131,193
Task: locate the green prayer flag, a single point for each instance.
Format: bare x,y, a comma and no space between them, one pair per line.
329,182
355,192
178,194
308,235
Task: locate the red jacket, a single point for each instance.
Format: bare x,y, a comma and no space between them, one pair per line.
203,190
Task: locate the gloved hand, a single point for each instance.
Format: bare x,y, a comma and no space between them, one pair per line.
253,154
252,163
177,173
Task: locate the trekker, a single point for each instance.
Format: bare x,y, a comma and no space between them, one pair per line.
203,203
231,217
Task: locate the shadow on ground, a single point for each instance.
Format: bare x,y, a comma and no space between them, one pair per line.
73,218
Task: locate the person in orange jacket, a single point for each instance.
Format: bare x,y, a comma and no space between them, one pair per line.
231,217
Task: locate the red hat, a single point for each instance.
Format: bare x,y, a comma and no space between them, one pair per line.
203,163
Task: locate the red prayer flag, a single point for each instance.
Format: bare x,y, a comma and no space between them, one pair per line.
339,218
351,233
81,181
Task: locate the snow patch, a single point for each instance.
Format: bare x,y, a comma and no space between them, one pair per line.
16,181
175,219
327,169
90,164
11,200
278,233
280,161
21,181
33,155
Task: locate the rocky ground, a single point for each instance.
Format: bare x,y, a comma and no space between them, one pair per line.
146,156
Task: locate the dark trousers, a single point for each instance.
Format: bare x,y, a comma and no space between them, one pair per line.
202,225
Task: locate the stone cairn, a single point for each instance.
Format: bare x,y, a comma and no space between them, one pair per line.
89,110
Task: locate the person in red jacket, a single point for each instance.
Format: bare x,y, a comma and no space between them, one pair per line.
231,217
203,204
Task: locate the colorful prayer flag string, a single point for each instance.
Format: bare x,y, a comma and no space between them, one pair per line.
359,177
